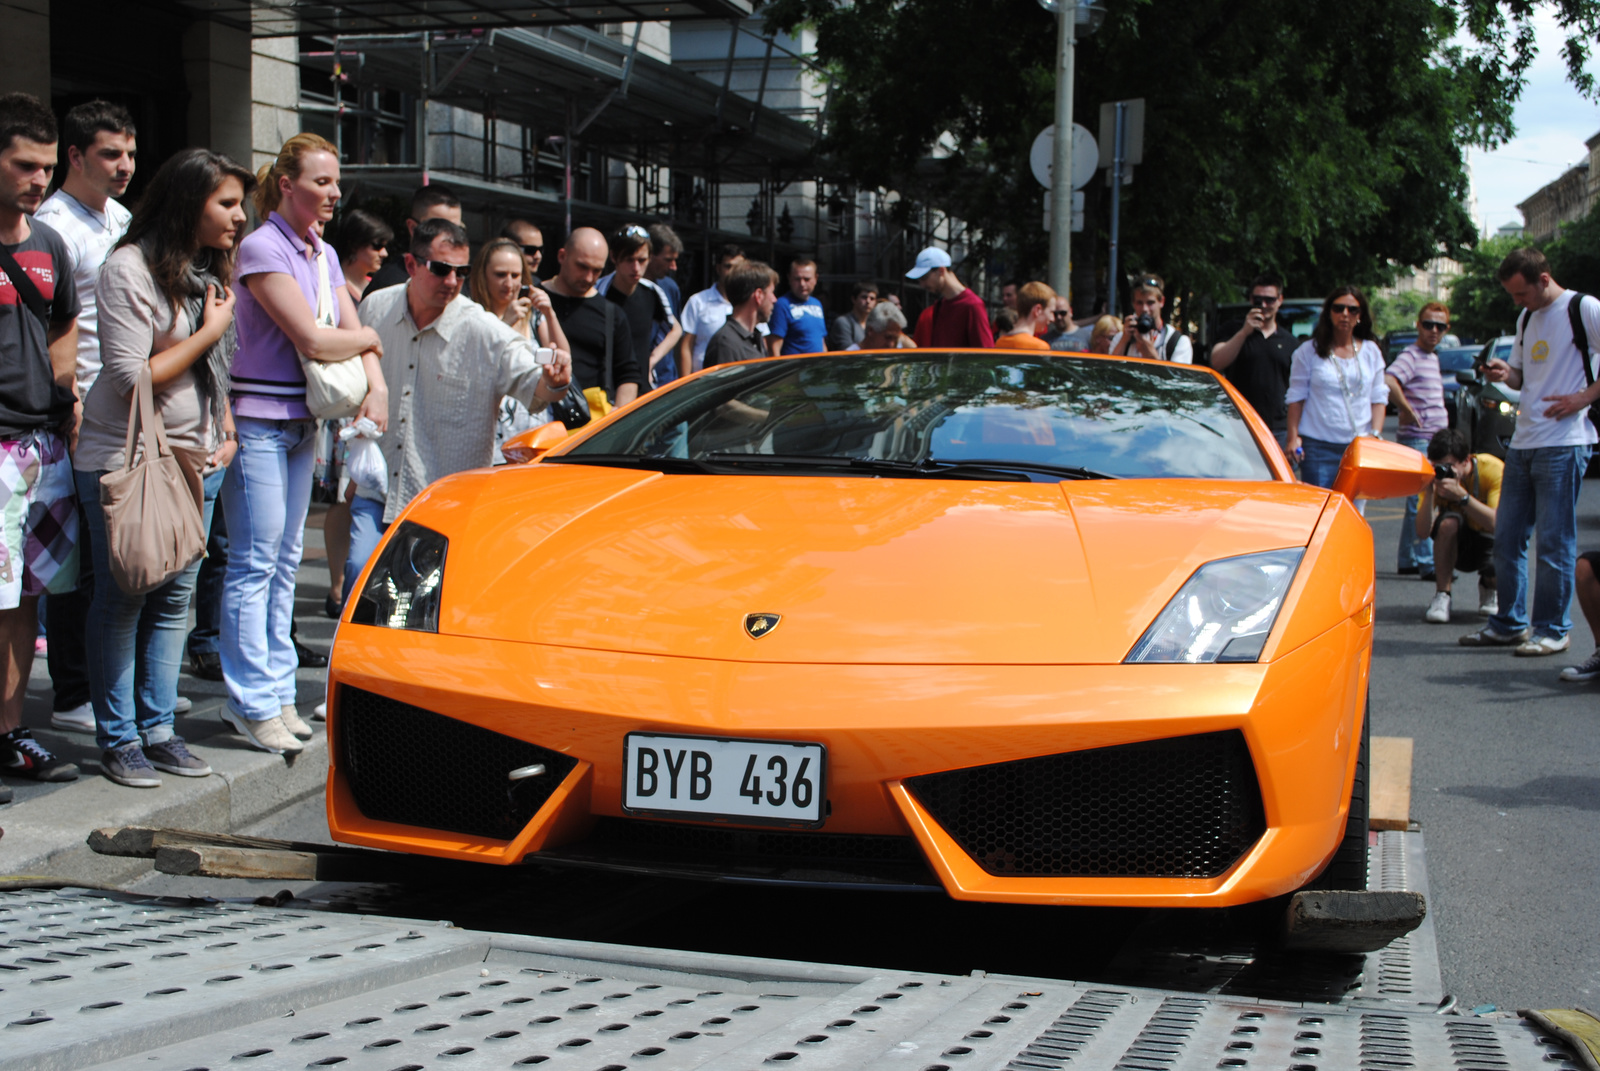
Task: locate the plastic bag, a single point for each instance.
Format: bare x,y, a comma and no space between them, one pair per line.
364,463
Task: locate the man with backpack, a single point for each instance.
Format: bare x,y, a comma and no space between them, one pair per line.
1553,364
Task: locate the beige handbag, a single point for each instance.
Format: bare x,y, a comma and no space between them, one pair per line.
334,389
152,507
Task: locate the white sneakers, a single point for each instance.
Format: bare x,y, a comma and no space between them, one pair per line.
320,713
1439,609
271,735
1539,646
77,720
1488,600
292,722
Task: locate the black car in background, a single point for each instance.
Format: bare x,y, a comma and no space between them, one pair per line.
1486,411
1453,359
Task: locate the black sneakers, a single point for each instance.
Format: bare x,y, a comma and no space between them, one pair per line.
127,765
174,757
23,756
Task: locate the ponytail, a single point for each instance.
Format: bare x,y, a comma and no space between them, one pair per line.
267,195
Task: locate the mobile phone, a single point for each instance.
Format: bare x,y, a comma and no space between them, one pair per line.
524,291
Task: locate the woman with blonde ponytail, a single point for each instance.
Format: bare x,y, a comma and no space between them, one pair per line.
284,313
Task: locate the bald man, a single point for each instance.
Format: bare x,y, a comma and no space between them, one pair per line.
597,330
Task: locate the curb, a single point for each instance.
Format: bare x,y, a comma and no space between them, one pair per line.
46,834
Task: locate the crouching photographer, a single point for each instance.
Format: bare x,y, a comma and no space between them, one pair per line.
1457,510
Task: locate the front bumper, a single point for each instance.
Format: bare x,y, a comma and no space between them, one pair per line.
883,726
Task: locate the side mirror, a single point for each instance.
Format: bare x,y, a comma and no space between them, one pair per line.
1467,379
1373,468
534,443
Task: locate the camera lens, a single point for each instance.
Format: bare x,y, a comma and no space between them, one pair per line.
1145,324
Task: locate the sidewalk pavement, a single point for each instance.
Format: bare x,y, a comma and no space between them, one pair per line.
46,827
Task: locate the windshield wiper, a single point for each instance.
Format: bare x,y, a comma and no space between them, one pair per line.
928,467
989,464
675,465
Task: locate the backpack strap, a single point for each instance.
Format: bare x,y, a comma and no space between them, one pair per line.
25,289
1580,337
1172,342
606,373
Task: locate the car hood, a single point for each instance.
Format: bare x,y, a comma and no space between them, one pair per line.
860,570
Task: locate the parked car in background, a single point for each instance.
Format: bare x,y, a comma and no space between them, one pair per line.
1299,315
1486,411
1396,341
1453,359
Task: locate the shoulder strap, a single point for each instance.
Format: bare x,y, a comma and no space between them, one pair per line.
1172,342
606,372
1580,337
25,289
1522,325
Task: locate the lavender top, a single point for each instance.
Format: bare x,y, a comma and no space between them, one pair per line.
1418,375
267,381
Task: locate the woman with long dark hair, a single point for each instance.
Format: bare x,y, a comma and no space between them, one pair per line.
362,242
290,306
1336,388
164,305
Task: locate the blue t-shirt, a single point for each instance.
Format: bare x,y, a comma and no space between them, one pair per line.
803,328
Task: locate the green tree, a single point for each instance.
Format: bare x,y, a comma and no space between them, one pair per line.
1397,313
1479,305
1575,254
1321,139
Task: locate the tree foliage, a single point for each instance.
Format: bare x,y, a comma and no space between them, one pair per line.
1324,140
1479,305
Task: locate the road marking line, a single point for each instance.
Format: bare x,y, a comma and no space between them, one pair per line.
1390,780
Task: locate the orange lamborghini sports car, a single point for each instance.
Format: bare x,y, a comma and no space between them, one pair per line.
1036,628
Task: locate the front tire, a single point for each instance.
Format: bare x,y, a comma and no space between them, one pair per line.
1348,868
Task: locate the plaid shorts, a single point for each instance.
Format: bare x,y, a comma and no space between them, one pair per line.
38,518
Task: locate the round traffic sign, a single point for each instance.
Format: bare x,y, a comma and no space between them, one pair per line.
1085,155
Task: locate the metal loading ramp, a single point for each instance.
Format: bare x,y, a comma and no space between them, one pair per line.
104,980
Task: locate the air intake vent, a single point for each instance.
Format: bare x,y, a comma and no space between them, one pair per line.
1187,807
417,768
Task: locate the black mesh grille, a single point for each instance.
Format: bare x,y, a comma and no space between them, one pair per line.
417,768
1187,807
754,844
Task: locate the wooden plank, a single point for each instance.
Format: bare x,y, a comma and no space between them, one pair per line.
213,862
141,842
1390,780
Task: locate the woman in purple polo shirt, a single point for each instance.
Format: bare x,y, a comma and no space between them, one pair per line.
268,488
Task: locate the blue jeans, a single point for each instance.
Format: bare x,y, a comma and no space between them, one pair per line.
134,643
1540,487
1414,551
266,497
206,635
1321,464
366,529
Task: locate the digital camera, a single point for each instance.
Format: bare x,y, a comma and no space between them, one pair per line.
1145,324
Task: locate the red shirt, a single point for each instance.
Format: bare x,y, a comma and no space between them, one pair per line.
961,322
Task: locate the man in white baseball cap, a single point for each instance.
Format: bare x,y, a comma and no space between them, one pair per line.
958,319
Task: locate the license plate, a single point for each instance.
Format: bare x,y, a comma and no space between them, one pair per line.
750,781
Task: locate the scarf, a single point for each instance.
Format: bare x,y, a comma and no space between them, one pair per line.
212,373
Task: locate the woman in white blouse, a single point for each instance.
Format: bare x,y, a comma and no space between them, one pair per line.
1336,388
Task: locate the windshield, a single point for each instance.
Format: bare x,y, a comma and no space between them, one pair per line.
932,413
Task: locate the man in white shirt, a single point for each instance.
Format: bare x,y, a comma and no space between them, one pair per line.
448,363
1145,334
705,313
1546,459
101,151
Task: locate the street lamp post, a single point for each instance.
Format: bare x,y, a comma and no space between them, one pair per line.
1061,167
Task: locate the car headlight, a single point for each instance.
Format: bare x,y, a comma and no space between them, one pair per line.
1507,408
403,588
1223,613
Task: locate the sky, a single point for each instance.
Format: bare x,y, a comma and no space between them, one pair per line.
1552,121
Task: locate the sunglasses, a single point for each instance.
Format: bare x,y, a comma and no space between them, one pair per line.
1348,310
1433,325
443,269
532,250
1261,301
633,230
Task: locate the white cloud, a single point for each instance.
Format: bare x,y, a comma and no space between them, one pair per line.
1552,121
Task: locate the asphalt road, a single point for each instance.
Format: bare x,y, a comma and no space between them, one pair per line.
1506,786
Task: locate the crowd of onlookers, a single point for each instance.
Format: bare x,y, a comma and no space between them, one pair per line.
301,361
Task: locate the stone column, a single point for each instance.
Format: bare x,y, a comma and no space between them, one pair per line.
25,47
216,62
275,95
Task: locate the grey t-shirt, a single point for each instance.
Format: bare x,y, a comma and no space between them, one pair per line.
30,398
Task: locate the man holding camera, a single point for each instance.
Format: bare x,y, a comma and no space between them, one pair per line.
1417,390
1144,334
1457,511
1255,355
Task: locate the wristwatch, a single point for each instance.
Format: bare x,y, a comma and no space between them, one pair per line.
1463,500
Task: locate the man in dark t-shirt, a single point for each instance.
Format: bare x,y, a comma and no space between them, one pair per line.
651,320
584,313
753,290
1254,355
38,396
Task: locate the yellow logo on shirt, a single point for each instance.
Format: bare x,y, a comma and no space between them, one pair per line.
1541,350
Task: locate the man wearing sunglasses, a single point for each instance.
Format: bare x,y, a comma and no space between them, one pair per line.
1417,390
1256,354
448,362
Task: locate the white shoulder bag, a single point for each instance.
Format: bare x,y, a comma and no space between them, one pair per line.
334,389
